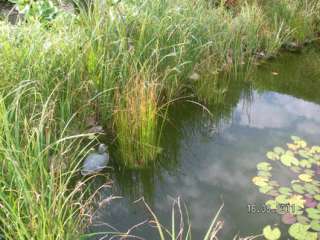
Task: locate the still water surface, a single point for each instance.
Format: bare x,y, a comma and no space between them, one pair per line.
213,159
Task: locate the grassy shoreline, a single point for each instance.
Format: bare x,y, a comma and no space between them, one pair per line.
122,65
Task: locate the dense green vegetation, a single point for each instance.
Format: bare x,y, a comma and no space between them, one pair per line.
121,64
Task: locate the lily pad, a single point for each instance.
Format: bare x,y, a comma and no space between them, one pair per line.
311,188
309,172
288,160
281,199
265,189
305,164
260,181
303,219
285,190
316,183
288,218
315,225
305,177
272,156
279,150
293,147
310,202
296,169
264,166
298,188
295,210
264,174
296,200
304,153
315,149
301,143
298,204
313,213
271,234
317,197
300,232
274,183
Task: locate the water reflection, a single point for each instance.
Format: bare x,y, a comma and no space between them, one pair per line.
210,158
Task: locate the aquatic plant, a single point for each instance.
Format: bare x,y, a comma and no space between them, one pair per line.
39,197
298,17
137,121
271,233
299,203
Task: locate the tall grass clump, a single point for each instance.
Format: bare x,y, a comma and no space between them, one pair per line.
137,120
39,198
172,39
296,18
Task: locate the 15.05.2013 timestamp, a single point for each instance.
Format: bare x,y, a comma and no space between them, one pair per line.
264,209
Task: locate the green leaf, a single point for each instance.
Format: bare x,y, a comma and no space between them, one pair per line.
316,183
264,174
301,143
288,160
315,225
305,164
274,183
296,200
317,197
304,153
265,189
271,234
293,147
313,213
295,210
305,177
315,149
260,181
303,219
311,188
309,172
285,190
264,166
296,169
272,156
298,188
279,150
300,232
282,199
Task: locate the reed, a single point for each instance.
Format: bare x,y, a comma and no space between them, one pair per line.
137,120
39,198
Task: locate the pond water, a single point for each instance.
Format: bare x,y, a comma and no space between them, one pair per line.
213,159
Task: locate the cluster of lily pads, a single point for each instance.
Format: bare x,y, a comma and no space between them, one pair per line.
302,198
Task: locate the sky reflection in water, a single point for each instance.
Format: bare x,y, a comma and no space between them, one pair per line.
207,168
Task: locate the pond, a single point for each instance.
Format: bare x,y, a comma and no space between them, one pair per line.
210,159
